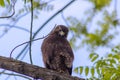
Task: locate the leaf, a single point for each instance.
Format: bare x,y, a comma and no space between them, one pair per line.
81,70
113,61
116,56
8,1
113,77
76,70
92,71
110,55
98,71
25,1
86,71
99,4
91,55
73,29
94,58
2,3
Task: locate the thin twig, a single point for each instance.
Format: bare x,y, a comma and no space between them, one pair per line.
13,26
115,6
15,75
63,17
29,42
30,47
25,43
2,34
27,49
13,7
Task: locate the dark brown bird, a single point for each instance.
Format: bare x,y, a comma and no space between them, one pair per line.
56,51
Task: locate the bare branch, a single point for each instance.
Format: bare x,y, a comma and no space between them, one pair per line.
14,26
63,17
32,70
25,43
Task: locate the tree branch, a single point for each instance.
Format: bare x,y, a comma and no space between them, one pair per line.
32,70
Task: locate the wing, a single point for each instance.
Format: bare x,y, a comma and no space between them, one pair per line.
68,56
64,57
47,51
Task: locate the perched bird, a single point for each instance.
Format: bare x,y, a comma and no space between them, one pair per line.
56,51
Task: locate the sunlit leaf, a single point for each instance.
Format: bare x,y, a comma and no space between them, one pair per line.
92,71
73,29
99,4
8,1
86,71
94,58
98,71
81,70
113,77
25,1
2,3
76,70
110,55
116,56
113,61
91,55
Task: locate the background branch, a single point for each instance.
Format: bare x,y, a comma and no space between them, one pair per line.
13,7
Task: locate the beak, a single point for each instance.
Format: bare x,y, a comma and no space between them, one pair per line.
61,33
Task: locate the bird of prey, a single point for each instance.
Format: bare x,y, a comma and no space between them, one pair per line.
57,52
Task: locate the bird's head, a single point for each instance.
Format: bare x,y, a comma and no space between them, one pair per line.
61,31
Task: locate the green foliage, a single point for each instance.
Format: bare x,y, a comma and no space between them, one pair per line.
100,36
8,1
76,70
103,68
2,3
99,4
92,71
77,29
37,7
81,70
107,68
93,56
86,70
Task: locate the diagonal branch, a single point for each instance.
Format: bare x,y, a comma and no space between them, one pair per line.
32,70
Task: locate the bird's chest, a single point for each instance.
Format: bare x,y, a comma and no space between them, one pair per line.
59,44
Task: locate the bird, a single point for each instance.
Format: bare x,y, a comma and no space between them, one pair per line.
57,52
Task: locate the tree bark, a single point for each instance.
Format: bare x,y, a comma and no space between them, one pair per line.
33,70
